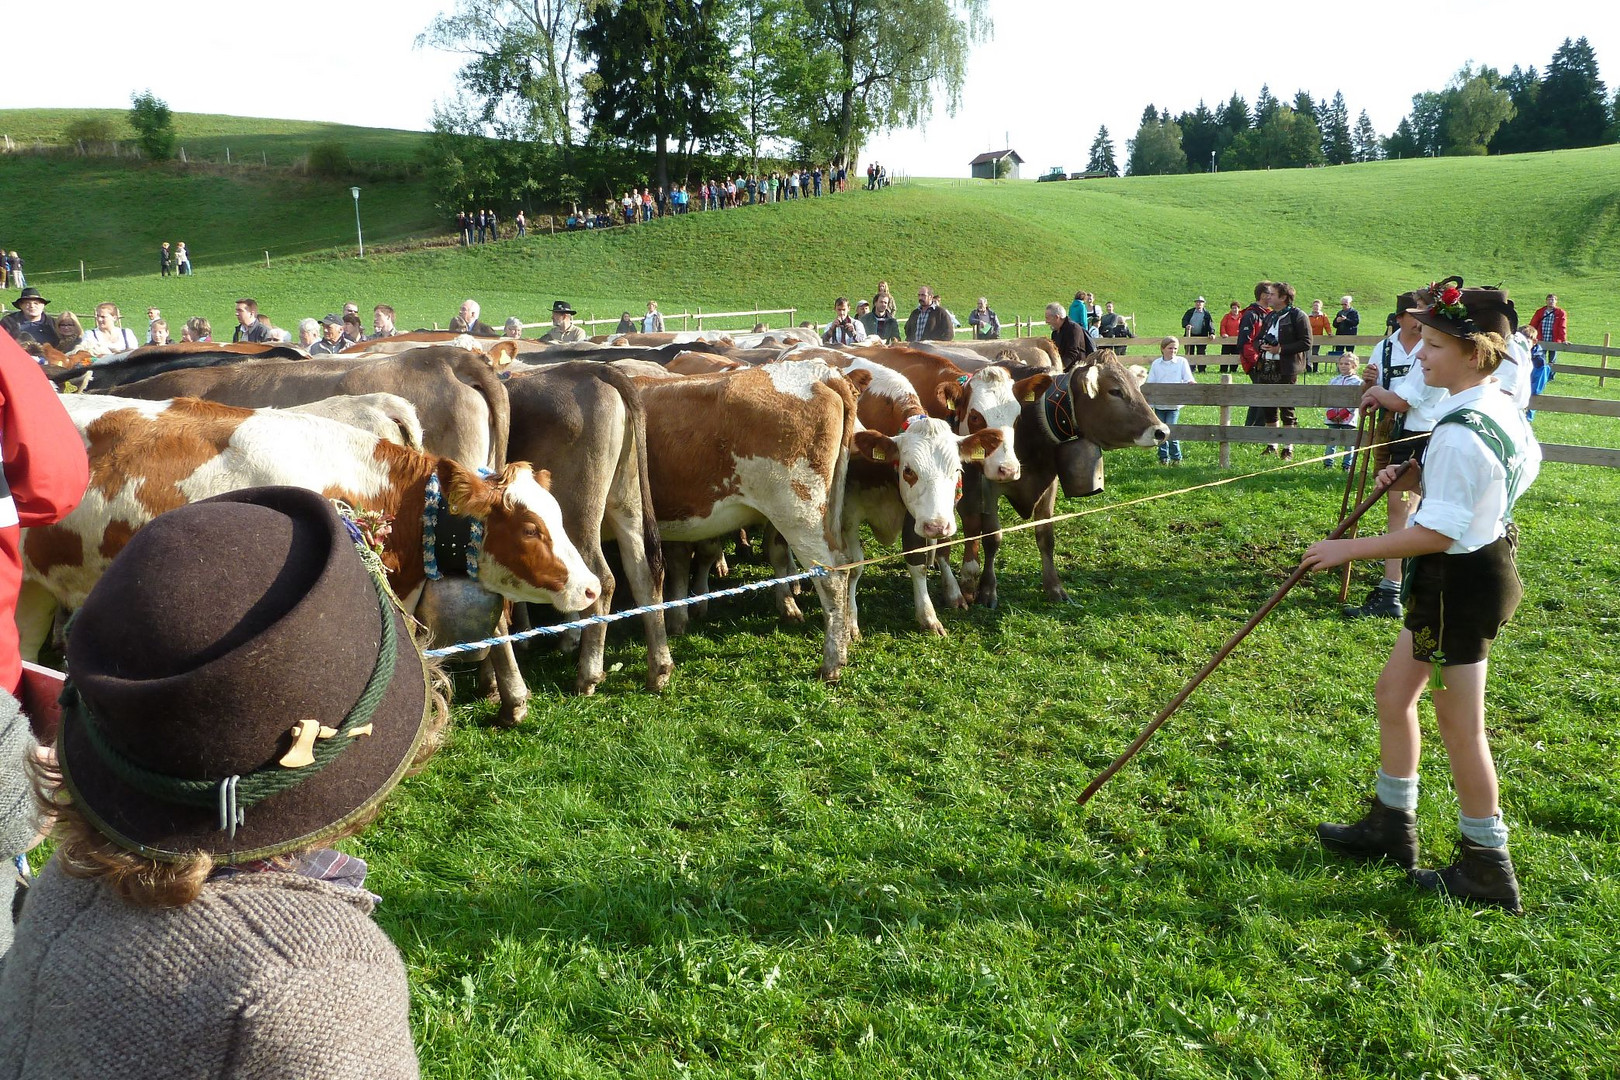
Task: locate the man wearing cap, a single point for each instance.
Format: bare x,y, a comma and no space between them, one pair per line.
562,324
864,316
248,327
29,322
331,337
1197,322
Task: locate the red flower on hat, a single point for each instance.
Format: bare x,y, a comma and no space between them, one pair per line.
1450,295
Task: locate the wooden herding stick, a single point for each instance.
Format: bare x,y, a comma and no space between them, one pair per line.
1366,431
1231,643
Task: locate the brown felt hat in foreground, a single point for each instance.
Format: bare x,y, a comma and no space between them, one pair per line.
239,683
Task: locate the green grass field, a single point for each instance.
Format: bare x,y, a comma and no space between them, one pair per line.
756,875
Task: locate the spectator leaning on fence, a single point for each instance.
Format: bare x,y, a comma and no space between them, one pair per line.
1069,336
248,327
1551,322
107,336
309,332
382,321
652,322
562,324
331,337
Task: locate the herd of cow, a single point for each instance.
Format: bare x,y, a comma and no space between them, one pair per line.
505,466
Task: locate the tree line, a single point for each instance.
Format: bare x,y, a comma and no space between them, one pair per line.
559,101
1480,111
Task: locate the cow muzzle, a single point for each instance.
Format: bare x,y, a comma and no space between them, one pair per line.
936,528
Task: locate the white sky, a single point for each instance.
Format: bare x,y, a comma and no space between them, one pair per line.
1054,71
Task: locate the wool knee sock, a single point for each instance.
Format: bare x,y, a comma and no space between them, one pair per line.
1397,792
1487,831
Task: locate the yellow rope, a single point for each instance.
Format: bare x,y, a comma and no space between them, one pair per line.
1021,526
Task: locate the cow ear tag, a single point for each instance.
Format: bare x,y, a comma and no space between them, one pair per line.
878,454
1030,395
976,454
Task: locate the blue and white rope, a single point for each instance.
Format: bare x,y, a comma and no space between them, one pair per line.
631,613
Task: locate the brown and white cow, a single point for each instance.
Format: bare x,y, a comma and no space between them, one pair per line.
148,457
970,401
741,448
905,475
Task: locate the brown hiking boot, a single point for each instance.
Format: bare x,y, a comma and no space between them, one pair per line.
1478,875
1382,833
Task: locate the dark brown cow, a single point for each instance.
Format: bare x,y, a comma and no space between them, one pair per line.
1098,404
461,403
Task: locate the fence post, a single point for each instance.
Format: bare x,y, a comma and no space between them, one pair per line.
227,155
699,318
1226,419
81,271
793,317
1603,361
267,259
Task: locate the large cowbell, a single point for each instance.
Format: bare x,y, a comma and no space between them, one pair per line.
1080,468
458,609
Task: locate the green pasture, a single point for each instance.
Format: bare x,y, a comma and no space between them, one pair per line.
757,875
754,874
1534,223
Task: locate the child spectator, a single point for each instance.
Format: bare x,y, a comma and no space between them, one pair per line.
157,332
1170,367
1343,418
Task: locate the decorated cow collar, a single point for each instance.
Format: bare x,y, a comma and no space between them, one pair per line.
457,537
1062,425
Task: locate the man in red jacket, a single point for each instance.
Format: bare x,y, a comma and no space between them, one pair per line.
1553,323
45,475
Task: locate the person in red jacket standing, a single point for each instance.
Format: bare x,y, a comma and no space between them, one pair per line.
1552,322
46,473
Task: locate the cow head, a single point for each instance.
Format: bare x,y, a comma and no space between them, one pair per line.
526,553
991,400
928,457
1108,405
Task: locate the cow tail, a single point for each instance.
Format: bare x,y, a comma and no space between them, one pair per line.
835,502
636,411
476,373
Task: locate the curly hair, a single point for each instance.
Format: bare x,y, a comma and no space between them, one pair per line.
145,882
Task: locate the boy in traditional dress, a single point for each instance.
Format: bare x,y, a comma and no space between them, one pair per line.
1461,587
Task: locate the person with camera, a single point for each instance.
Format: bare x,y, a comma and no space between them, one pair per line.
1285,342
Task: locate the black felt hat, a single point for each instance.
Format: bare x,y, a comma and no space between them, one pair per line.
29,293
562,307
239,683
1452,309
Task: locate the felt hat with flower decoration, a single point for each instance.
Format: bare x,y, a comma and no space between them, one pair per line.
1461,312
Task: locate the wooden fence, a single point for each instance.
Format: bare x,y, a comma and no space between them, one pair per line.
1229,393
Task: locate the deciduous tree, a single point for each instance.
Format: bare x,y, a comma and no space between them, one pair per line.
521,78
149,115
1476,105
1156,150
870,65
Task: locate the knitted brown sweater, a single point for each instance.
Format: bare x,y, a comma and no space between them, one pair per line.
263,975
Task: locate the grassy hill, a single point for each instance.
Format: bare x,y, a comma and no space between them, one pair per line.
1534,222
112,213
